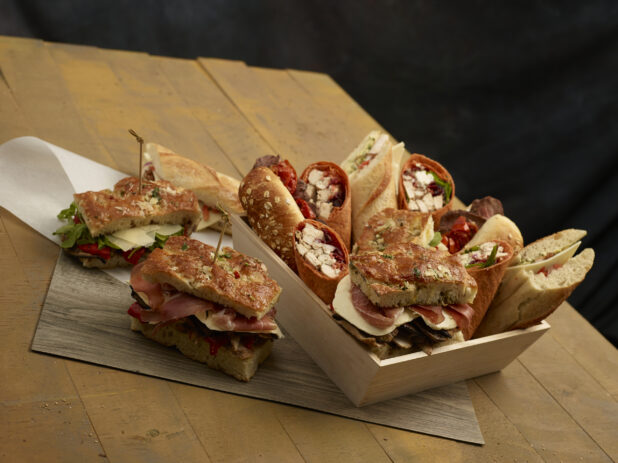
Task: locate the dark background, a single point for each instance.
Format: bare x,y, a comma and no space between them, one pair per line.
519,99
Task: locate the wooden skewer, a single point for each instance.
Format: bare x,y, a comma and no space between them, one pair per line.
140,140
226,221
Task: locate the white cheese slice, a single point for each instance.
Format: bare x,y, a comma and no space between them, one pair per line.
211,325
213,218
342,303
141,236
448,323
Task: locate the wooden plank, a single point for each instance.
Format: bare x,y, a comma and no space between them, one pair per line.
589,348
43,98
118,90
235,428
544,423
241,143
298,128
586,401
12,122
37,394
503,442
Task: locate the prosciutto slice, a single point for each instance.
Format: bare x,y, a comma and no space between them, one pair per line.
433,313
380,317
169,304
463,315
227,319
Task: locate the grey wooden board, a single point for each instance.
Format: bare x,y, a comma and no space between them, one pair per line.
84,317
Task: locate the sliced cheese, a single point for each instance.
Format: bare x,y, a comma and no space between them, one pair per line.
141,236
205,318
213,218
343,305
448,323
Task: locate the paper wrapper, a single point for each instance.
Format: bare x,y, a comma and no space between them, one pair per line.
324,287
434,166
488,280
340,218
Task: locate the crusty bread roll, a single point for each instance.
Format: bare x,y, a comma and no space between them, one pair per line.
548,246
323,285
537,297
498,227
340,217
432,166
241,364
373,185
210,187
271,211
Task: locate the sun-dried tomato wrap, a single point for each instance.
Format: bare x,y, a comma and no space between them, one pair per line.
425,186
325,189
321,257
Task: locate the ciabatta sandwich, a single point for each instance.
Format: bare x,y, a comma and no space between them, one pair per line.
219,313
541,277
409,298
108,229
212,188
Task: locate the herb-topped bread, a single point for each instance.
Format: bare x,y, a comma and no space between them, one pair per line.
411,274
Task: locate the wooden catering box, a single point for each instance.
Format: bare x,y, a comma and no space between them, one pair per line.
360,374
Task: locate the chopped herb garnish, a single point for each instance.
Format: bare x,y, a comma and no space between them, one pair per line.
437,237
387,256
226,255
446,186
184,246
155,193
417,272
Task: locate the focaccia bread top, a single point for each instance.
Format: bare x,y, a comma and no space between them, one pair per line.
160,202
410,274
391,227
237,281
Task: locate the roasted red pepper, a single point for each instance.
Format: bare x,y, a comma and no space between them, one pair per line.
105,252
287,174
133,256
459,235
305,209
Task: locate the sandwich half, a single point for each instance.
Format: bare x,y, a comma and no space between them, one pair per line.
219,313
407,299
118,228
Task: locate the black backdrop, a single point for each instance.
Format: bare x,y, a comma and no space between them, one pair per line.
519,99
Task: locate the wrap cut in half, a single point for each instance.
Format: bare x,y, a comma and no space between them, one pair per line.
327,189
486,263
321,257
370,168
425,186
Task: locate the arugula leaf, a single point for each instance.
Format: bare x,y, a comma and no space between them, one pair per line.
472,249
491,260
446,186
437,237
73,235
68,213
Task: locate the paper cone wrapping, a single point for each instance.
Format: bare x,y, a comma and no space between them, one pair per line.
324,287
340,218
434,166
488,280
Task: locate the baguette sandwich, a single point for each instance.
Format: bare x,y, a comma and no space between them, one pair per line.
411,298
212,188
116,228
372,167
221,313
541,277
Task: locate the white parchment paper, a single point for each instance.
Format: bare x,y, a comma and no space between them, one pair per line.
38,179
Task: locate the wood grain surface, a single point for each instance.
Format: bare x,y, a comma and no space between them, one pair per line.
557,402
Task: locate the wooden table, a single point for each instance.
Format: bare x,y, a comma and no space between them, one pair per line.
557,402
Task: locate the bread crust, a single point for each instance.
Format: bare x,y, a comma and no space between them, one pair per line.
548,246
239,365
434,166
160,202
411,274
392,227
272,211
340,218
237,281
210,187
537,297
323,286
